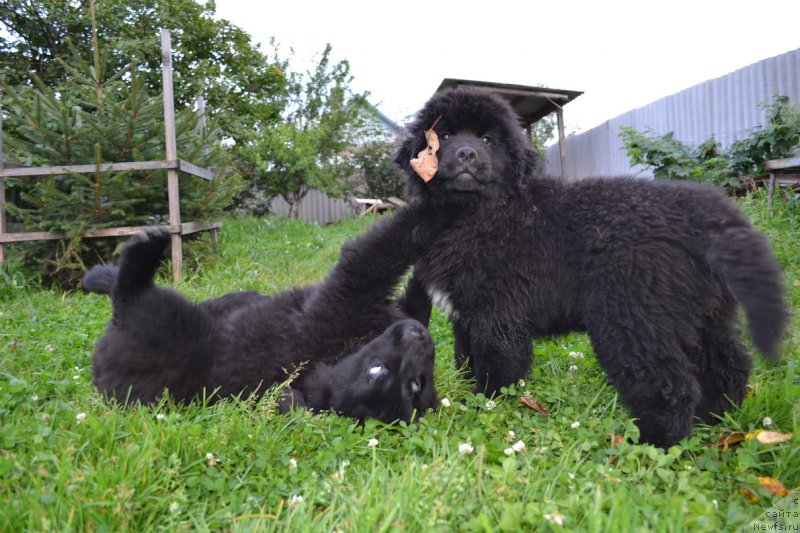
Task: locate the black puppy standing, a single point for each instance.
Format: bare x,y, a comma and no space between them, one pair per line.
652,271
354,349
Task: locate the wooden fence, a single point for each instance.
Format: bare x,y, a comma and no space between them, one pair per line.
172,165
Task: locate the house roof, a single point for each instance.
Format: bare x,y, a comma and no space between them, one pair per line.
530,103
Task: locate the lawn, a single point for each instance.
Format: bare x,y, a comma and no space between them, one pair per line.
71,461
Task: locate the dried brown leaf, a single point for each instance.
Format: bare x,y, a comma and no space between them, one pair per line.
730,439
774,486
768,437
426,163
533,404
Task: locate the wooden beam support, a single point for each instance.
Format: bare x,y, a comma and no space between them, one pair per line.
88,169
2,186
562,142
173,194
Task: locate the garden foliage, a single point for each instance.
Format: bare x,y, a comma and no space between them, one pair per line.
709,162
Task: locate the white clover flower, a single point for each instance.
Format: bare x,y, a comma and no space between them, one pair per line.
49,348
521,384
80,417
212,461
491,405
76,377
555,518
296,500
573,368
571,476
34,397
767,421
161,416
292,463
465,448
518,446
462,407
509,451
511,434
372,442
45,417
716,505
445,402
576,355
174,508
575,425
345,463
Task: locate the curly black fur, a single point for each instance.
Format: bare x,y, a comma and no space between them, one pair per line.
652,271
353,347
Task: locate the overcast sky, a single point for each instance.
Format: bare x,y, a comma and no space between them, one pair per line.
622,54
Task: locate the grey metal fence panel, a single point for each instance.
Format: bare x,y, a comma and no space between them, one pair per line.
316,207
726,108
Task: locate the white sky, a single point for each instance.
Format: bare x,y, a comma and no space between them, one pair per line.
622,54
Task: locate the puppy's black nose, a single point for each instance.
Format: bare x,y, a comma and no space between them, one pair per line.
466,153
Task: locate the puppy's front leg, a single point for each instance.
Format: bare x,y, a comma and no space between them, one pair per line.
290,399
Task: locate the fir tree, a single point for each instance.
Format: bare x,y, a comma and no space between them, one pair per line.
95,117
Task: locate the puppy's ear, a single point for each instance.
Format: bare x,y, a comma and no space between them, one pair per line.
407,150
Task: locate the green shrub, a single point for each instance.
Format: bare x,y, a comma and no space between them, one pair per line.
709,162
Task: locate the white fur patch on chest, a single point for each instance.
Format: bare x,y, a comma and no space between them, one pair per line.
443,301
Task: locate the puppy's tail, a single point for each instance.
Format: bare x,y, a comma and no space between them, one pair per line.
101,279
742,257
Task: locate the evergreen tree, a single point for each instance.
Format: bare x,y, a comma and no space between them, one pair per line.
98,117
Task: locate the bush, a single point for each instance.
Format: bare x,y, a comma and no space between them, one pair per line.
708,162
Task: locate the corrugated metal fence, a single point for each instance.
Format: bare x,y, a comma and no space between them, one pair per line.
315,207
726,108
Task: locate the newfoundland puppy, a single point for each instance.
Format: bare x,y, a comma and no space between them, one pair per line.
651,270
349,347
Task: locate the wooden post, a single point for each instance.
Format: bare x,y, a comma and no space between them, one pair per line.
173,193
2,186
562,142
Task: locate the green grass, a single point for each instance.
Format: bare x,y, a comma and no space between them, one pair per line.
71,461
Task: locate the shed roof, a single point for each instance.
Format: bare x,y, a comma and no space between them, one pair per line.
530,103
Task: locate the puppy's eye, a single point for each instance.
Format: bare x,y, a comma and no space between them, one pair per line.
444,136
486,139
375,371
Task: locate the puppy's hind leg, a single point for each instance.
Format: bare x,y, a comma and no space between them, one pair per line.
654,379
723,366
140,258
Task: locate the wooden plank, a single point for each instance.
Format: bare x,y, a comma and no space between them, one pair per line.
87,169
194,227
194,170
562,142
520,92
782,164
172,153
2,185
184,229
23,236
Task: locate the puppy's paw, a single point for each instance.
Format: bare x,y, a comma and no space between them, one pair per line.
290,399
151,240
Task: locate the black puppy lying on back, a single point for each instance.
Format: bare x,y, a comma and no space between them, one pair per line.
353,347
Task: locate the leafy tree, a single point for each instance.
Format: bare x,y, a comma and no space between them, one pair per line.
212,58
94,117
310,148
380,176
542,131
709,162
